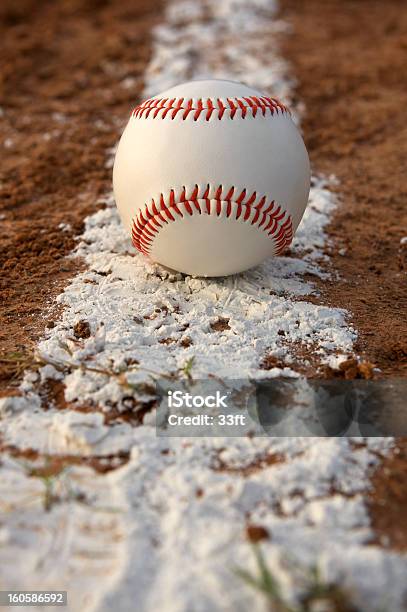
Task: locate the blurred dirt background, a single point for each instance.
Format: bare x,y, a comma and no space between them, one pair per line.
60,101
350,59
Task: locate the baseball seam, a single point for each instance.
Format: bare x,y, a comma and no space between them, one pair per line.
207,107
268,217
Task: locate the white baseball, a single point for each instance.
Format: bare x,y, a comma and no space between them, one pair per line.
211,177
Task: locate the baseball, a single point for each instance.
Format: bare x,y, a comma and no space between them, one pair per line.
211,177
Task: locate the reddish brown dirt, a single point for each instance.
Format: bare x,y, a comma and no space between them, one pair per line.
61,69
258,464
349,57
49,465
256,533
387,500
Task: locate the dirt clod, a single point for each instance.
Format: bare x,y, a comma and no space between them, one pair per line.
220,325
81,330
256,533
270,361
351,369
186,342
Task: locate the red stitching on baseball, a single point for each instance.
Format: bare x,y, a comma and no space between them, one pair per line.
195,107
273,220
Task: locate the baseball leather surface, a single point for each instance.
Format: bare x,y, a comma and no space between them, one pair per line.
211,178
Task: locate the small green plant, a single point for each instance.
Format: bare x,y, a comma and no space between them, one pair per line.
52,473
187,368
317,593
50,497
265,582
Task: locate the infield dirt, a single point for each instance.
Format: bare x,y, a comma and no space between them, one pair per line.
350,58
56,125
